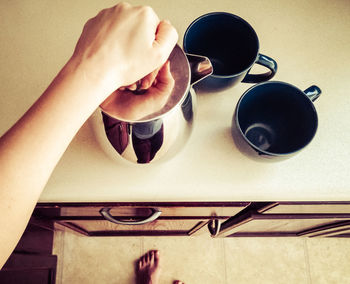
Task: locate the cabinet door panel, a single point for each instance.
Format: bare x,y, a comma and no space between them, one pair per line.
310,208
334,229
282,225
338,234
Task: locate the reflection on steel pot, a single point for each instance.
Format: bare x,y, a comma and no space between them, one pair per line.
143,130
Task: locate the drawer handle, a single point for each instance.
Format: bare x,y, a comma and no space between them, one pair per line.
105,212
214,227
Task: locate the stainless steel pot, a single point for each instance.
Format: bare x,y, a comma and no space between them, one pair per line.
159,133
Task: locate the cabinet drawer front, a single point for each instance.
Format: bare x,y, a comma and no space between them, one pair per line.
158,227
310,208
142,210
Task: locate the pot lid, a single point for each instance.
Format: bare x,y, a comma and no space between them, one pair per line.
171,85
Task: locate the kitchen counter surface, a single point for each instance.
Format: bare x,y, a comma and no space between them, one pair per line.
310,40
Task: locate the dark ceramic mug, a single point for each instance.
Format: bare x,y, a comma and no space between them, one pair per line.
232,46
275,120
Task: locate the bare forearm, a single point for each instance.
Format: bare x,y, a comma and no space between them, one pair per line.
30,150
41,136
107,56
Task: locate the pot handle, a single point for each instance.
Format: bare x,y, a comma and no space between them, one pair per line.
267,62
313,92
200,66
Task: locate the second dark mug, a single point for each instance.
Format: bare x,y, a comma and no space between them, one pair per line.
232,46
275,120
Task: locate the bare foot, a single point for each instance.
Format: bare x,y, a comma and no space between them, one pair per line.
148,268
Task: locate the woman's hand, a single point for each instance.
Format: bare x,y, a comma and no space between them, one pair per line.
142,84
125,104
118,47
121,45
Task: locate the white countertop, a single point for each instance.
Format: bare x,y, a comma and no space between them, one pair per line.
310,40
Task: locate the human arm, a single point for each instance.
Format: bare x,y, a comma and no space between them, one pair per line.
117,48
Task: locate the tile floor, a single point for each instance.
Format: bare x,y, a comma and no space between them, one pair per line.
202,260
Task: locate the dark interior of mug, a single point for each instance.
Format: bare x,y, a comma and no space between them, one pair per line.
227,40
277,118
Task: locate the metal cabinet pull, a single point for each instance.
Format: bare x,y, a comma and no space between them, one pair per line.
105,212
214,227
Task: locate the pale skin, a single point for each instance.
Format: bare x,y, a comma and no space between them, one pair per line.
149,267
118,47
118,104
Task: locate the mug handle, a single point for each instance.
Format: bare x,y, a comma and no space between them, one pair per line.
313,92
266,61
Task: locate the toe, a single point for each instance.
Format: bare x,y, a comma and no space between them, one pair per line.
148,257
151,257
156,256
141,263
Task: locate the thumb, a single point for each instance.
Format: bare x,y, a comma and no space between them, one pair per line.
165,39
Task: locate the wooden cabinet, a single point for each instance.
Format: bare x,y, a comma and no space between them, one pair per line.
220,219
139,219
32,260
289,219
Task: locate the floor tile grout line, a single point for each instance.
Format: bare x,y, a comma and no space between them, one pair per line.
307,261
224,256
63,253
142,246
60,256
